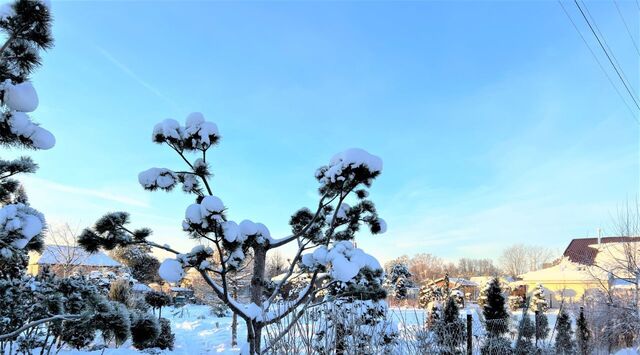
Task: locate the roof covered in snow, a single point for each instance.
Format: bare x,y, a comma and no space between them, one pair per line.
565,270
63,254
585,250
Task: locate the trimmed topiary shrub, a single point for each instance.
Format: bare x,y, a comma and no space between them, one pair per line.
166,338
157,300
145,330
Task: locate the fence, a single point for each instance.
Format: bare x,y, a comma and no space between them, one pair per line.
329,329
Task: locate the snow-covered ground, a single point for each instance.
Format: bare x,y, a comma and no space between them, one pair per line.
196,331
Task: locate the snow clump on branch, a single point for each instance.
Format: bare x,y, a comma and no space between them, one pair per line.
19,223
344,258
196,134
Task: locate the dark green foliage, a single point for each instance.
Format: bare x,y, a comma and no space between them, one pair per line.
80,298
28,30
494,311
542,326
526,332
142,265
564,338
366,285
583,334
110,231
166,338
113,320
145,330
400,279
157,300
449,329
79,333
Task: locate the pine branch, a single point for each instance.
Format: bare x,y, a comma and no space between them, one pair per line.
67,317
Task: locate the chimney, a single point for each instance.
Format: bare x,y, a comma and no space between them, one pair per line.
599,235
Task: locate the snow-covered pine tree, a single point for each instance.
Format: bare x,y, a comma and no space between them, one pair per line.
355,320
494,311
538,299
542,326
449,329
323,235
482,297
25,27
583,334
526,332
496,320
564,339
399,279
138,259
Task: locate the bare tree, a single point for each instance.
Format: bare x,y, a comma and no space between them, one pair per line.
276,264
63,249
425,267
514,260
538,256
519,258
476,267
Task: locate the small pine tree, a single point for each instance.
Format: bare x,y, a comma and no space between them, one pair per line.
564,341
494,311
482,297
429,294
526,332
583,334
496,320
542,326
157,300
538,299
145,330
450,329
399,280
401,289
113,320
166,338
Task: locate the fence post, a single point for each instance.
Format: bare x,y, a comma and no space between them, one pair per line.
469,334
535,325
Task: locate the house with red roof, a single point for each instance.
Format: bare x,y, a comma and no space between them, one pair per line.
586,264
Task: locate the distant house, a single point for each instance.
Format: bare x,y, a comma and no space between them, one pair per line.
469,289
584,266
65,260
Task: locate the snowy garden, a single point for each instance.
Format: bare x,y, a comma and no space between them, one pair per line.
329,297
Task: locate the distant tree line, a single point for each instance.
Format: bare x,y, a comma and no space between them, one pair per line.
513,261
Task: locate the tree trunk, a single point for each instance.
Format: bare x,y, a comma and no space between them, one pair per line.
257,285
234,321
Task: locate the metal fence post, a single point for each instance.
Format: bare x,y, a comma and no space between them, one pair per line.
535,325
469,334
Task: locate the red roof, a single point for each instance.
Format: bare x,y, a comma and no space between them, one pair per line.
579,250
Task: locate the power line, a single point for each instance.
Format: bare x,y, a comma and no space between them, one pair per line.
608,56
610,51
615,2
615,87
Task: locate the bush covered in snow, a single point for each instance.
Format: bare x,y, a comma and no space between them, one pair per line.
145,330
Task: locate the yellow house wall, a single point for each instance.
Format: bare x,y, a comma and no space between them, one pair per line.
570,291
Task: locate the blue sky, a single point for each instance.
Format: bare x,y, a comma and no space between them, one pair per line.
495,124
